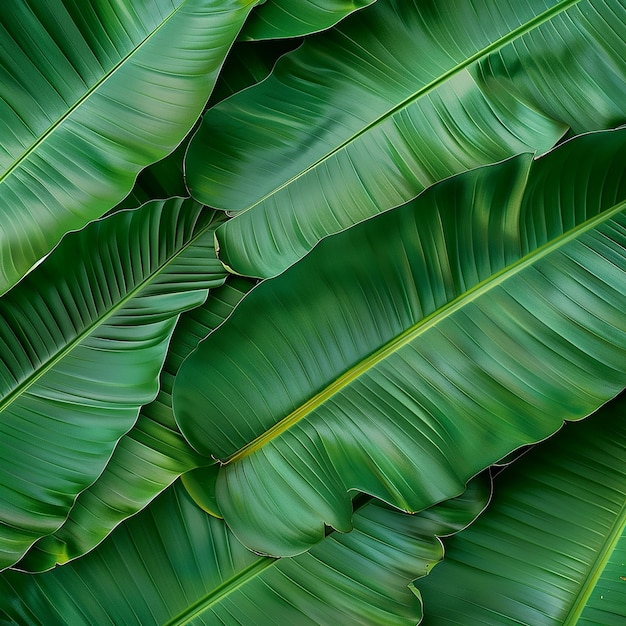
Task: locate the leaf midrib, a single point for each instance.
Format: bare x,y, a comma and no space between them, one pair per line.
243,576
47,365
222,591
537,21
69,112
597,568
421,327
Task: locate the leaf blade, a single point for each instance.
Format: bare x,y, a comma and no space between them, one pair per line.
279,19
402,116
556,520
422,345
102,90
84,337
147,459
360,578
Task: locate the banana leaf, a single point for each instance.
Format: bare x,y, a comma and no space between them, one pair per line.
91,92
161,180
551,548
398,96
277,19
173,564
248,63
403,356
200,484
82,341
147,459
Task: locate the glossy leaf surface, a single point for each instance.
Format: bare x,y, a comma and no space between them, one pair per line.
146,460
276,19
398,96
82,340
91,92
173,564
551,548
411,365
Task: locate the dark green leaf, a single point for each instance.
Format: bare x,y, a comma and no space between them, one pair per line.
163,179
248,63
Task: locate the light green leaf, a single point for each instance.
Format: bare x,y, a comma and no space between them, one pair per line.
293,18
173,564
82,340
91,92
398,96
147,459
551,548
403,356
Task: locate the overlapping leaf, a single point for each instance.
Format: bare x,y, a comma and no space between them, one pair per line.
146,460
248,63
551,548
293,18
161,180
90,92
173,564
403,356
82,341
398,96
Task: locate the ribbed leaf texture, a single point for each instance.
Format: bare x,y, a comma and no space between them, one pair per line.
82,341
173,564
396,97
405,355
551,548
146,460
91,91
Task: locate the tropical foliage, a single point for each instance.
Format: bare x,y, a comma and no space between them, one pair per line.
433,196
564,503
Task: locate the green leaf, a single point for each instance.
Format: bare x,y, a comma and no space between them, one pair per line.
293,18
398,96
173,563
161,180
403,356
551,548
147,459
91,92
248,63
82,340
200,485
